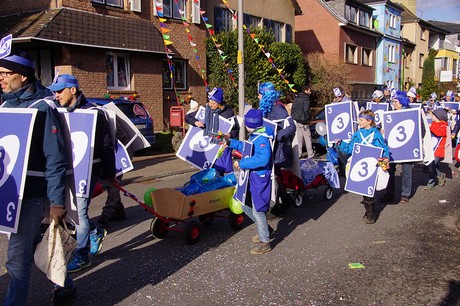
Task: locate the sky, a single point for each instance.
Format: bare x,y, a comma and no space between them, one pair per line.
439,10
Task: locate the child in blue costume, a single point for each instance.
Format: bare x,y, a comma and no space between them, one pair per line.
259,187
367,134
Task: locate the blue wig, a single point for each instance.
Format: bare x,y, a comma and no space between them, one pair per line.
401,96
269,96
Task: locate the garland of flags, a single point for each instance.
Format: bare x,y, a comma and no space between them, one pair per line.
217,45
186,25
164,29
261,47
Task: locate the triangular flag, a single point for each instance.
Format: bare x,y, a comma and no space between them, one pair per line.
211,32
202,12
187,30
162,19
205,19
253,36
168,42
166,37
208,25
267,54
164,30
192,44
185,24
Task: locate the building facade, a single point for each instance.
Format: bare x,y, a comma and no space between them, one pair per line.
114,47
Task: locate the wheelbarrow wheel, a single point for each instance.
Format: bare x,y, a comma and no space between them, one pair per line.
298,198
328,193
207,219
159,228
192,232
236,221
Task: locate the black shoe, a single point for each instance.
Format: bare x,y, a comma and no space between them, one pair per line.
64,296
387,198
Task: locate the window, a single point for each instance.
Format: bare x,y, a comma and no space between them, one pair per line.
135,5
364,19
420,60
445,63
222,19
251,21
423,34
274,27
351,54
407,60
366,59
170,8
116,3
392,21
118,74
179,68
288,29
351,13
455,68
391,54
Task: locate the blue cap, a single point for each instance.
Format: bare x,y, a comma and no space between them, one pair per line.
64,81
433,96
216,95
253,118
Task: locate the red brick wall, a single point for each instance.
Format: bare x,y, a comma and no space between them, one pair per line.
9,7
359,72
317,30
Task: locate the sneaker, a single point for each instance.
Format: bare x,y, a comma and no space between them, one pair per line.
261,248
404,200
442,179
77,264
387,198
428,187
96,241
64,296
255,238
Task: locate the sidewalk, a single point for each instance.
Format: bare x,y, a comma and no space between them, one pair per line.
153,167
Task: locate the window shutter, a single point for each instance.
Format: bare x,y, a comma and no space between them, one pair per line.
136,6
196,6
155,4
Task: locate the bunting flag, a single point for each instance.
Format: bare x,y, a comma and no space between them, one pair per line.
186,25
261,47
164,29
217,45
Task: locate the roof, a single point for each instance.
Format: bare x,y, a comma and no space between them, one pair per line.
452,28
93,30
298,10
388,2
345,23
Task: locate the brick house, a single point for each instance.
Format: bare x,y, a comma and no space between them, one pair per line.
342,30
113,47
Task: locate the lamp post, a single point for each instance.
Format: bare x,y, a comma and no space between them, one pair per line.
240,59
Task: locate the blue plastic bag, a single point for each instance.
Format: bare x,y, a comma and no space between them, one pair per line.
331,156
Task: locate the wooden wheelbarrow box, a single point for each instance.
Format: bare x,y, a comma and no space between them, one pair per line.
170,203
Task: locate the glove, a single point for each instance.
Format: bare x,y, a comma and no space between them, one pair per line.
57,213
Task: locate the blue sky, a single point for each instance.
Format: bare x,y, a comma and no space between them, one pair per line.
439,10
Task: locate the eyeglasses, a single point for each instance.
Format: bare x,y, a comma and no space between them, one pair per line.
6,74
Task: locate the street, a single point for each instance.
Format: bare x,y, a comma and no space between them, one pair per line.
410,256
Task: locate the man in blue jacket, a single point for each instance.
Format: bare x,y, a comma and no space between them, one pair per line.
89,237
45,181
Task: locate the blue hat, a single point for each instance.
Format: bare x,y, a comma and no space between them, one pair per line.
64,81
216,95
338,91
253,118
450,93
433,95
19,64
401,96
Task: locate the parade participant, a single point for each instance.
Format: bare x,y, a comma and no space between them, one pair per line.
275,111
412,95
438,128
45,181
259,183
300,112
89,237
339,95
378,97
367,134
216,107
432,104
450,96
401,101
389,93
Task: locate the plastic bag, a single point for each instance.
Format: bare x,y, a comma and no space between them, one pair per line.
382,179
54,251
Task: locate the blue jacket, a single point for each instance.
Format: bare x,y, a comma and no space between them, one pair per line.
376,140
260,161
47,149
284,135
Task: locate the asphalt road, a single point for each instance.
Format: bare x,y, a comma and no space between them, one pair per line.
411,256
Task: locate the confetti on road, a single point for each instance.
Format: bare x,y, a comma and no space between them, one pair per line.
356,265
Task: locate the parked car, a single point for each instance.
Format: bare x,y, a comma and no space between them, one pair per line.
135,111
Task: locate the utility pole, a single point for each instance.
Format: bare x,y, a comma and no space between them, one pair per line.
241,68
